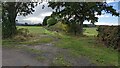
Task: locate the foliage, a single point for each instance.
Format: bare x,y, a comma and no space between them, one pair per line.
23,31
74,28
110,36
22,34
75,13
51,21
0,10
59,27
45,20
10,10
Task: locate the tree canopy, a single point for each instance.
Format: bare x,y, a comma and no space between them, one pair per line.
78,12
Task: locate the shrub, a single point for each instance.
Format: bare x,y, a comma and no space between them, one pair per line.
51,21
110,36
23,31
45,20
22,35
58,27
20,38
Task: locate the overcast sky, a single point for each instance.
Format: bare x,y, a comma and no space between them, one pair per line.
39,14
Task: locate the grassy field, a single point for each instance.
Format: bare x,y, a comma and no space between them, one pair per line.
90,31
78,46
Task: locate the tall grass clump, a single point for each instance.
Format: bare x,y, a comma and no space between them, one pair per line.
22,34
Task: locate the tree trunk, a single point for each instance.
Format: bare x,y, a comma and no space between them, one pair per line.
80,28
12,17
9,24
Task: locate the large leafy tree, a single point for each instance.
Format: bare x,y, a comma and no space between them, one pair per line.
75,13
10,10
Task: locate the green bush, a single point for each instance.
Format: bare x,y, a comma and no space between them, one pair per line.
51,21
110,36
45,20
58,27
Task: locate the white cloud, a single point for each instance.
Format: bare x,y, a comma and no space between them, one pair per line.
37,19
102,16
106,23
86,22
109,1
118,11
37,16
102,23
46,14
43,3
33,19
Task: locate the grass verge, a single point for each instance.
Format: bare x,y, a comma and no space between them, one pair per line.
87,46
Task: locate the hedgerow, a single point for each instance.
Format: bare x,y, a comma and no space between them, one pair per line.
110,36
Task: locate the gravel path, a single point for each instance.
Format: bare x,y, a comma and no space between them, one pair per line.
14,57
17,57
51,52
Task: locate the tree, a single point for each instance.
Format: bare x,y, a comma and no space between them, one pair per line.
26,24
45,20
10,10
77,12
51,21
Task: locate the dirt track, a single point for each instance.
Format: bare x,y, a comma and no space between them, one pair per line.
14,57
17,57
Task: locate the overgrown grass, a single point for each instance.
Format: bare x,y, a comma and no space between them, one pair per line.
9,43
37,41
36,38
